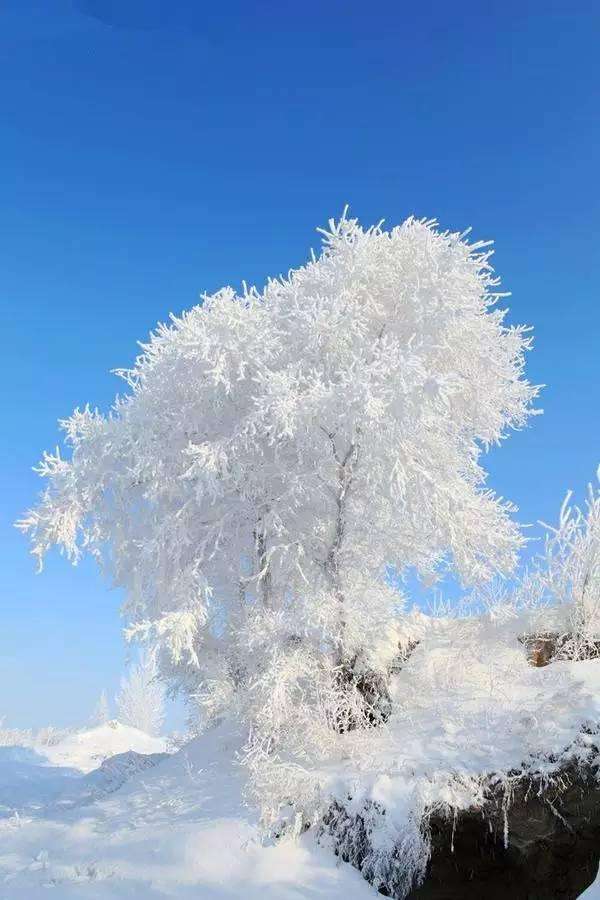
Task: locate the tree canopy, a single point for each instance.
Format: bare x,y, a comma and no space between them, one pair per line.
278,450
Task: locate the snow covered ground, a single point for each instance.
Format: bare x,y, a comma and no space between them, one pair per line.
107,814
178,829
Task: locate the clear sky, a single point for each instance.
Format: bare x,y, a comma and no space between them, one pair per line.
150,150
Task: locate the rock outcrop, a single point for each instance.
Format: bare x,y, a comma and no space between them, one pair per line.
538,841
552,851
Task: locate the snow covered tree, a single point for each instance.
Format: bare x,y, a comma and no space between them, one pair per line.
101,714
277,452
141,700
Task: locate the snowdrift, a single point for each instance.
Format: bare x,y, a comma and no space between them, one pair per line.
86,750
82,766
180,829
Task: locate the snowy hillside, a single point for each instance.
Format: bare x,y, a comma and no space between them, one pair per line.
35,776
177,830
143,824
85,750
105,813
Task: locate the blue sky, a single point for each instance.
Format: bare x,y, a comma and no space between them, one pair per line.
152,150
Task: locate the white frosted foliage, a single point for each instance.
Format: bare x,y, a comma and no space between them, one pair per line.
101,713
141,699
277,451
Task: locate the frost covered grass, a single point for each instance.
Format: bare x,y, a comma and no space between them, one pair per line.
28,737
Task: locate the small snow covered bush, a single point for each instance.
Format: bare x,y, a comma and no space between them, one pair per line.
50,735
13,737
141,699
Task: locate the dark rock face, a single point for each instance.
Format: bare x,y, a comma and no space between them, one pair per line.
553,845
552,849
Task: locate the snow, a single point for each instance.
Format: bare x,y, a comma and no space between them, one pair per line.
468,710
179,829
85,750
107,814
34,777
